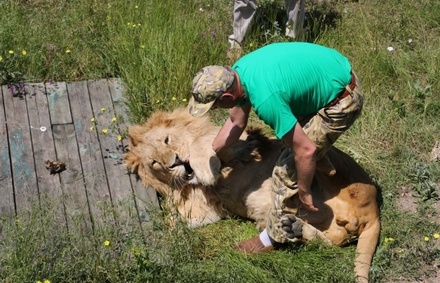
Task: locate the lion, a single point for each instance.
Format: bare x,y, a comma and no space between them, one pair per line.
172,153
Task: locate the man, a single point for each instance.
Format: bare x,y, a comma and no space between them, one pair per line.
306,93
244,11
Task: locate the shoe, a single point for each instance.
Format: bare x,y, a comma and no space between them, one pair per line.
253,246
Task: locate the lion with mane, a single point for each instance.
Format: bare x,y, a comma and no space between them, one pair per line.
172,153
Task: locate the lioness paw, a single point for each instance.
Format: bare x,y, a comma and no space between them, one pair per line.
207,169
291,226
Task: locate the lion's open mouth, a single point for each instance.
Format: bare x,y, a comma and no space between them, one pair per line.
189,171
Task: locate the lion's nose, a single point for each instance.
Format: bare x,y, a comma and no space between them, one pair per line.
177,162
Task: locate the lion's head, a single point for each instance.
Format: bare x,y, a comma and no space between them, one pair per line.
173,147
172,153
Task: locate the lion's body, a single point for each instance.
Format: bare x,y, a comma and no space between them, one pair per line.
238,181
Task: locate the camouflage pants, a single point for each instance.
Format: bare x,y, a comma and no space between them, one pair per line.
323,128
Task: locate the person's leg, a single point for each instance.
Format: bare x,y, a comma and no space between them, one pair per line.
295,18
284,187
244,11
282,224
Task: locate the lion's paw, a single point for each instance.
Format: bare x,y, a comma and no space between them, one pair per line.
292,226
207,170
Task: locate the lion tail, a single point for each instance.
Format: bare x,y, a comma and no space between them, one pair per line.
365,250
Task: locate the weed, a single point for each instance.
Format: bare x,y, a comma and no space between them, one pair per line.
424,185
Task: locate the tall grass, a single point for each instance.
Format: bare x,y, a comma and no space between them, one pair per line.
156,46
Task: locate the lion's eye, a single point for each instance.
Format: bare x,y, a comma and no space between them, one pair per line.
153,162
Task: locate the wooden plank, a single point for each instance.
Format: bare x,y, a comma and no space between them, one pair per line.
49,186
90,151
7,206
118,179
22,161
72,181
145,197
58,103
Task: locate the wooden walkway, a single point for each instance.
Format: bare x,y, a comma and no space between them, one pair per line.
53,121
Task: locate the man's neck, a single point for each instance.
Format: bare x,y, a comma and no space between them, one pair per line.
238,89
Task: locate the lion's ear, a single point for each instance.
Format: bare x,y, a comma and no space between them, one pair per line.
135,134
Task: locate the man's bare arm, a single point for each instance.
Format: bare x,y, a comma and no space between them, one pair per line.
232,128
304,153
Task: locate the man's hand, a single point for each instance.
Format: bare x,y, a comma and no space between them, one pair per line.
307,201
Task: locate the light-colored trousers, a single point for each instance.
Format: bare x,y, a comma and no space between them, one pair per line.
244,11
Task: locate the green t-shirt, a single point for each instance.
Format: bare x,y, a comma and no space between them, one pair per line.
284,81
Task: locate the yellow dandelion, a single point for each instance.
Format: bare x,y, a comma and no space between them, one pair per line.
106,243
11,52
174,98
136,6
389,240
251,44
38,281
46,281
157,101
426,239
24,52
436,235
133,25
104,131
114,119
400,250
142,46
184,100
1,58
103,109
135,252
93,120
92,128
119,138
67,51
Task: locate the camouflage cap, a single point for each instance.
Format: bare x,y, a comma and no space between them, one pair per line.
208,85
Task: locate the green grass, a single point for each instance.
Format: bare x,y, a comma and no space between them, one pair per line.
156,47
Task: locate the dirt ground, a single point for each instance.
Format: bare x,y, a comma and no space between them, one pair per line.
408,202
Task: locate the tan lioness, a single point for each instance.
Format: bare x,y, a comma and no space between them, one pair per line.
172,153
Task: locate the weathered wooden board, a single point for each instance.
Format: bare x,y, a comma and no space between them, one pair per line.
49,186
21,154
58,103
92,161
145,198
72,179
118,179
7,206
